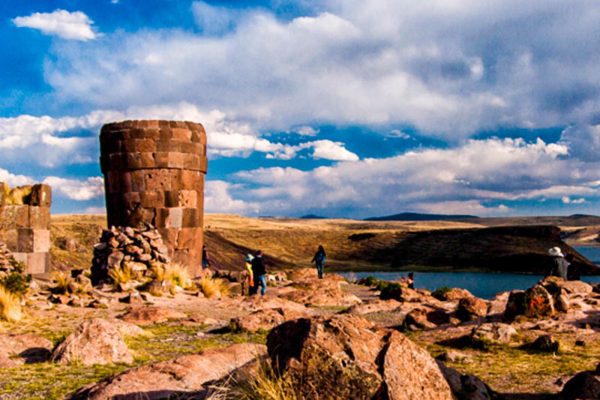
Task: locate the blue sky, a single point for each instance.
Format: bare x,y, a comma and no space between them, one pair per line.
341,108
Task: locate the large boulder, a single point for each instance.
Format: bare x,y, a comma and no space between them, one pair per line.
451,294
346,356
185,375
535,302
96,341
466,387
273,314
583,386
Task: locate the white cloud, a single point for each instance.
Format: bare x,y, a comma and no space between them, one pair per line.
79,190
399,134
14,180
217,199
568,200
306,131
328,150
358,62
480,177
64,24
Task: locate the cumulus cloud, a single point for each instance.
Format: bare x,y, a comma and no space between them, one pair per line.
79,190
328,150
450,68
14,180
217,199
480,177
64,24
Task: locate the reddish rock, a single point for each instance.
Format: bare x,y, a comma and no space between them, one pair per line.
25,348
366,362
410,372
96,341
454,294
538,302
471,308
184,375
374,307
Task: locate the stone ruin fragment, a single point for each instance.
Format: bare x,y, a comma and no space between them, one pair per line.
25,224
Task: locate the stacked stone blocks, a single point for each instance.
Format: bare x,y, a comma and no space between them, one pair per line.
154,174
25,224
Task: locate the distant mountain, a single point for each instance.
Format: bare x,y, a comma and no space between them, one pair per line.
421,217
312,216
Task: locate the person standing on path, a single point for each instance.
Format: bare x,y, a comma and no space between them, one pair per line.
248,276
319,259
260,273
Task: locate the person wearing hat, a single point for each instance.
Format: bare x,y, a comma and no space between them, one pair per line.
560,266
247,277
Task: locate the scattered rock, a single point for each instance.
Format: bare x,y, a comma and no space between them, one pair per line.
417,319
269,317
583,386
151,315
96,341
455,356
23,349
466,387
373,307
471,308
183,375
367,362
545,343
493,333
452,294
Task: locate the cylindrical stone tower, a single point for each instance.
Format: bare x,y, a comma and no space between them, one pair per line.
154,173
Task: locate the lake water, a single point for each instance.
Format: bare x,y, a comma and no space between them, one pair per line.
481,284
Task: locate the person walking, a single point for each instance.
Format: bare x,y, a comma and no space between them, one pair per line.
260,273
205,259
559,266
319,260
248,276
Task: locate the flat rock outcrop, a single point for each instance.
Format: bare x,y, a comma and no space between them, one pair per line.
97,341
185,375
151,315
23,349
366,362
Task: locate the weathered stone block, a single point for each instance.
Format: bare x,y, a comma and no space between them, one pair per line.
161,159
152,199
20,257
176,160
113,183
11,238
183,134
21,216
157,180
38,263
174,217
39,217
33,240
190,219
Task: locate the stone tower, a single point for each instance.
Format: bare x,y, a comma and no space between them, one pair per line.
154,173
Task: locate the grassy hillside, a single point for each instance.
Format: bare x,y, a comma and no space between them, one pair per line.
350,244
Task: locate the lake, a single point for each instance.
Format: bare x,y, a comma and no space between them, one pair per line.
481,284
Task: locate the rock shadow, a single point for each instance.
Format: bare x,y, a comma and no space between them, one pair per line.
35,355
592,320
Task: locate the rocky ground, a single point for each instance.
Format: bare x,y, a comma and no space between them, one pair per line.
342,340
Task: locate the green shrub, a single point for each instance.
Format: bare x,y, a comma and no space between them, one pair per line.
17,282
440,293
391,291
368,281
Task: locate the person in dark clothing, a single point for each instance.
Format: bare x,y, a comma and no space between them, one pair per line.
205,259
411,280
574,273
319,259
559,266
260,274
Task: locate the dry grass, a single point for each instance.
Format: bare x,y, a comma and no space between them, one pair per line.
261,383
10,305
120,275
213,287
62,282
179,275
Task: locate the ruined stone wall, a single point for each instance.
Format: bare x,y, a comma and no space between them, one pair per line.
154,173
25,224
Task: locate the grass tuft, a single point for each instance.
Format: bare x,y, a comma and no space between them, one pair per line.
10,305
179,275
213,287
62,282
120,275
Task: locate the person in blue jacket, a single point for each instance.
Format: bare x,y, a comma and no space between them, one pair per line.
319,259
